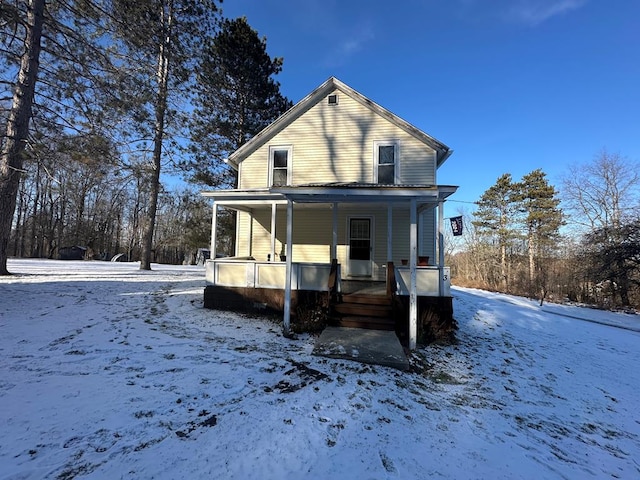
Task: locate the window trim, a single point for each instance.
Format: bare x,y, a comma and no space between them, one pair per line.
396,157
272,150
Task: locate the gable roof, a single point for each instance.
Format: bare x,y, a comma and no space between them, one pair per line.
442,151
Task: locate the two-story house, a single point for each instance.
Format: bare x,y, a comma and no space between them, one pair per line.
337,191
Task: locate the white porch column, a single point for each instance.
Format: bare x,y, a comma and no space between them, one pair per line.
334,237
413,260
440,248
287,284
273,232
389,233
214,231
250,233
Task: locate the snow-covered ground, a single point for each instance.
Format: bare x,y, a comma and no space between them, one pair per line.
109,372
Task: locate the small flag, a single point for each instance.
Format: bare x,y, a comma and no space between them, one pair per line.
456,226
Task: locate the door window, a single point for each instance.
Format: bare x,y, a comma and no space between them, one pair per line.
360,239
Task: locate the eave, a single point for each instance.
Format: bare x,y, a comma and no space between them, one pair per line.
334,193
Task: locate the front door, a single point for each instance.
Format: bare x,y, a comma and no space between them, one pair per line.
360,247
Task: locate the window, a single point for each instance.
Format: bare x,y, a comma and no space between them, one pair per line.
280,162
332,99
386,154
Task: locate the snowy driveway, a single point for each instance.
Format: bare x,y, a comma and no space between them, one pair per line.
109,372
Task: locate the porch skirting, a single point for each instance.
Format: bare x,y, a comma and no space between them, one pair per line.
309,308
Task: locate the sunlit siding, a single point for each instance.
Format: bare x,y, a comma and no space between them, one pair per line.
261,229
417,164
254,171
261,244
311,236
242,234
335,143
313,232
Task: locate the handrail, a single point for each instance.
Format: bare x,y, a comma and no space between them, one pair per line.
392,285
333,281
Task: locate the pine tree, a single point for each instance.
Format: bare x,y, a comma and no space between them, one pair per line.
159,39
541,218
495,219
14,140
52,59
236,97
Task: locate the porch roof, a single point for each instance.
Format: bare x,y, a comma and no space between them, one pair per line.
334,192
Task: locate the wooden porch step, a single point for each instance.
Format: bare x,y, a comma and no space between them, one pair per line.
365,310
366,299
372,323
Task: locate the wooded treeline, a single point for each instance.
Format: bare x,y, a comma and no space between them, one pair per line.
580,241
83,198
99,99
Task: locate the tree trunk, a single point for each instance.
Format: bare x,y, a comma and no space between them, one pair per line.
17,130
532,265
19,236
35,218
623,283
158,137
503,267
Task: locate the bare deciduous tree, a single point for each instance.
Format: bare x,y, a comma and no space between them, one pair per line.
602,193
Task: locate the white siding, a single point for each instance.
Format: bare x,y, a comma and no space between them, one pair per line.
313,232
429,229
334,143
242,234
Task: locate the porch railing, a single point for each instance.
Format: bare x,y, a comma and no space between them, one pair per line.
315,276
255,274
427,281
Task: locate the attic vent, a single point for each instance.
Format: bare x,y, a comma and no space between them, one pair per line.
332,99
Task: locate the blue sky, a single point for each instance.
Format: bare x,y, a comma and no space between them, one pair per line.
509,85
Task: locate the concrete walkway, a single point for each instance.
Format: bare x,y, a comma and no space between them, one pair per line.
376,347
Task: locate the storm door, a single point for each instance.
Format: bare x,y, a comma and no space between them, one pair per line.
360,247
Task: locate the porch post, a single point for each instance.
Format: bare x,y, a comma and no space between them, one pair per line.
251,232
440,248
334,237
413,260
389,233
214,231
287,284
273,232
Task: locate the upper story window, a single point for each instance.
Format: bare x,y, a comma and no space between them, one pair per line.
279,166
386,159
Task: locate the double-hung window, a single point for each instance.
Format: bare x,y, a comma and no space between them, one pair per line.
386,159
279,166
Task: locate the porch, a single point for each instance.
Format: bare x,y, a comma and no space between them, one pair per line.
355,227
319,297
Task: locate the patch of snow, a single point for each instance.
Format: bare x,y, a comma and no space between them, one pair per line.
112,372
